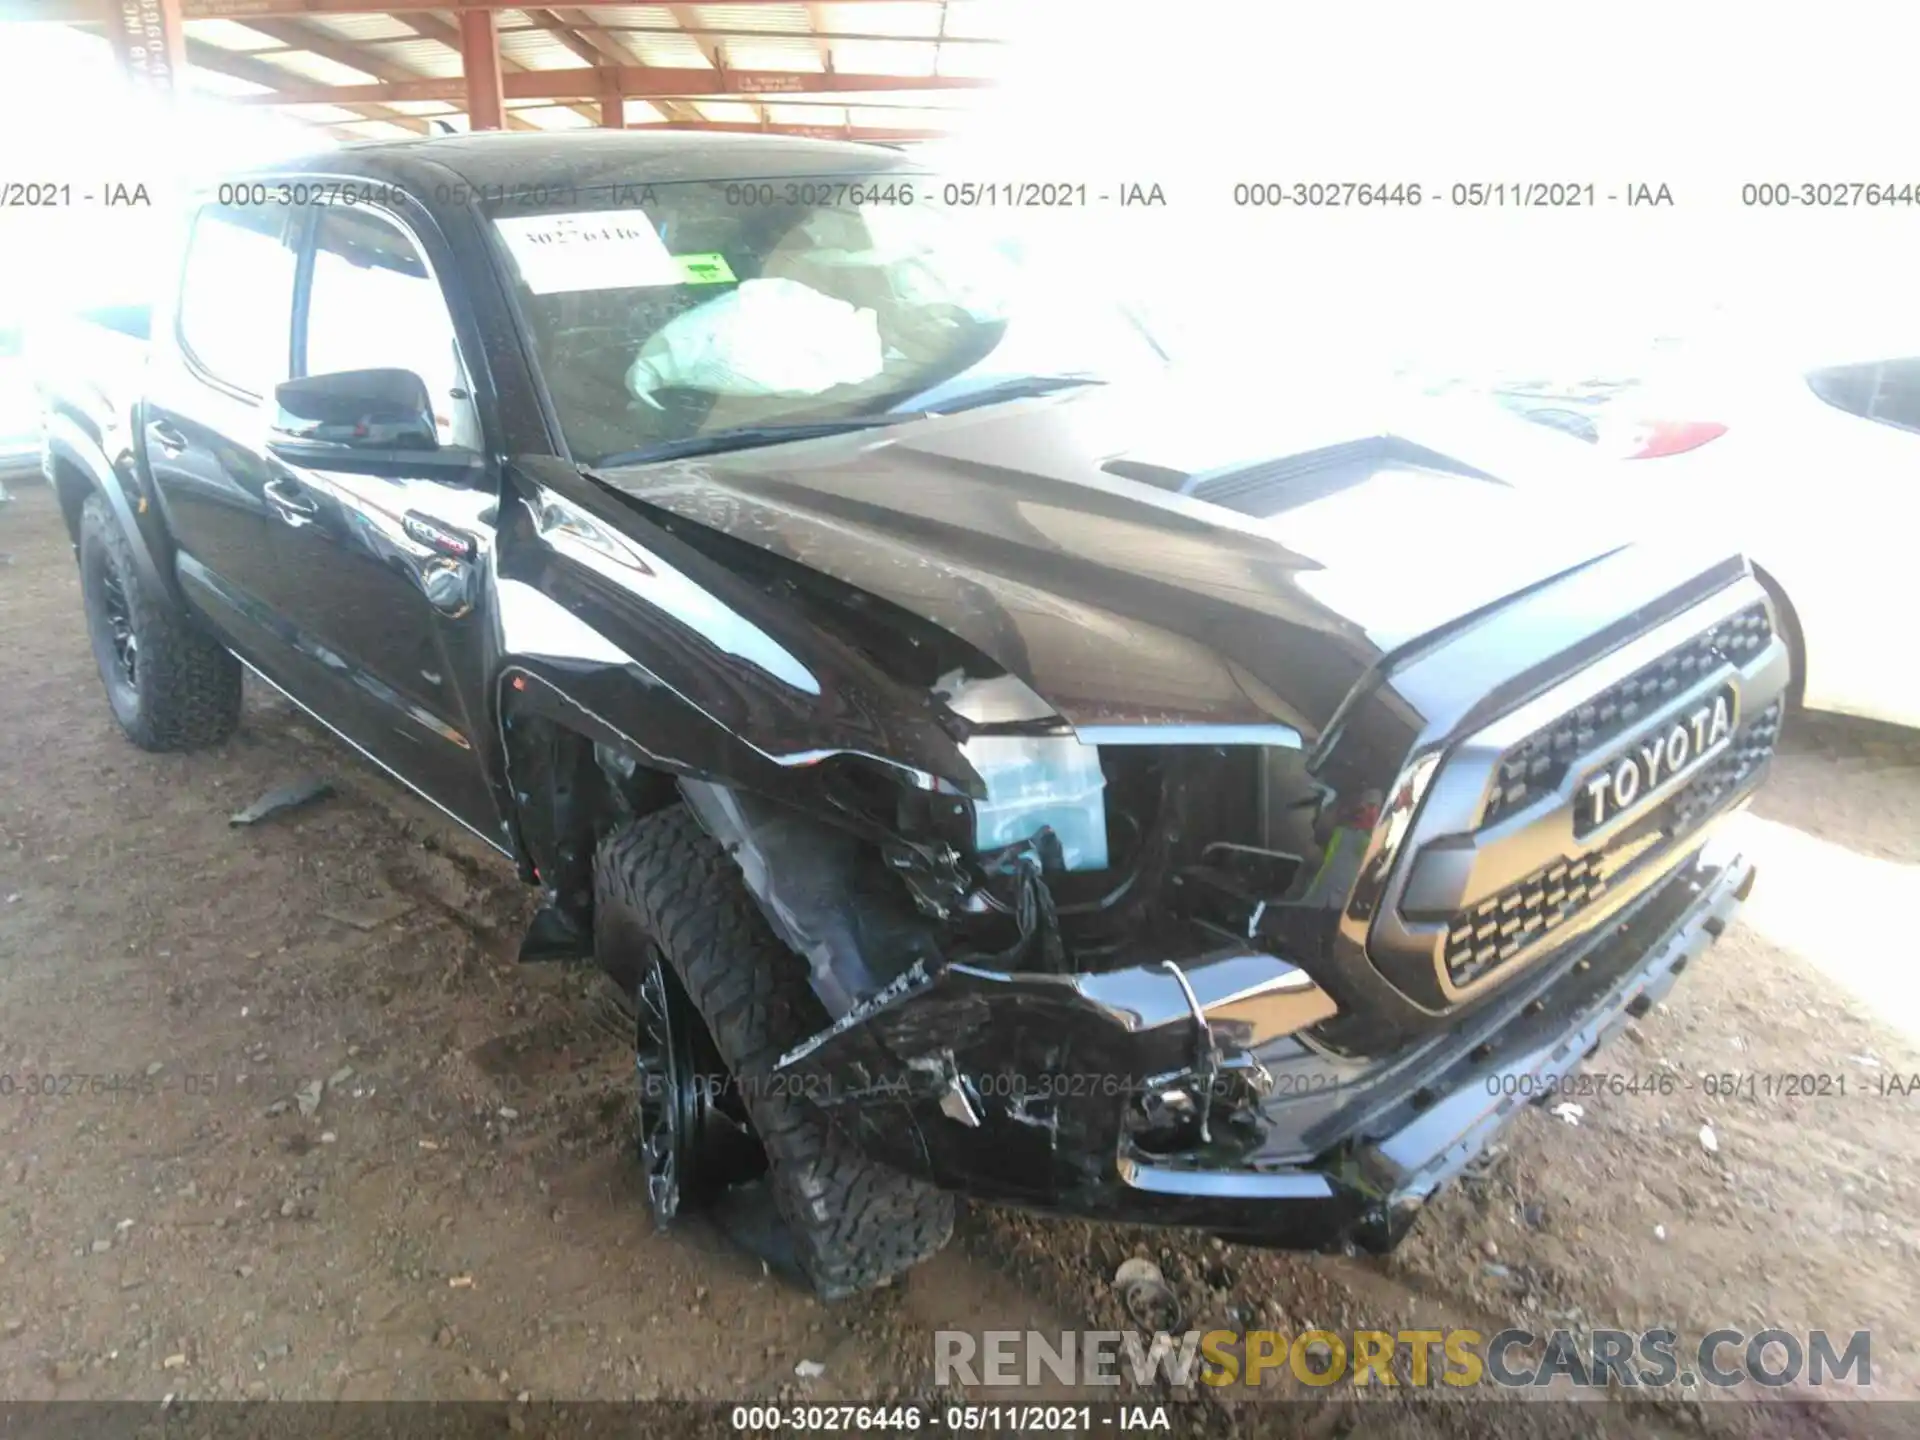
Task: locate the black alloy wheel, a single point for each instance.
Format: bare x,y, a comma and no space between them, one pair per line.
694,1136
116,647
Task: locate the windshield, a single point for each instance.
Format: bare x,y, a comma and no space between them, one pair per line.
739,306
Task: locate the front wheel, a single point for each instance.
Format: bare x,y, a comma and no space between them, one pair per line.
720,1000
171,686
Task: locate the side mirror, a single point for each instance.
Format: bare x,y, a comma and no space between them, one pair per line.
386,410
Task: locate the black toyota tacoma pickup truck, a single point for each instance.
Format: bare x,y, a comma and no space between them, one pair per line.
993,763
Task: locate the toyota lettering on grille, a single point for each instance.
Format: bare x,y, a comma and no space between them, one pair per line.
1647,766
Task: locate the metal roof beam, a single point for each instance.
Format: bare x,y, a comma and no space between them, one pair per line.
872,134
298,35
432,27
714,50
600,35
548,23
147,38
613,105
258,72
633,81
241,9
480,71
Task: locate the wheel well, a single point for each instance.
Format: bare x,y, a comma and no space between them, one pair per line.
72,485
1796,641
569,790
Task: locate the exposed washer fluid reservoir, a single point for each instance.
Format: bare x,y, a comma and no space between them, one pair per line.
1033,781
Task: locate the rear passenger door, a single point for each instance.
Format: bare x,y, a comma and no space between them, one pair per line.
209,386
380,567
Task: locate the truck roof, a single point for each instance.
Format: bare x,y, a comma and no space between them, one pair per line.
496,160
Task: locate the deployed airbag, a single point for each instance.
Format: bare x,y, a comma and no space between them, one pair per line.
767,337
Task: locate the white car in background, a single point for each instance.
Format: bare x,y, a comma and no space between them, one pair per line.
1811,452
1791,415
19,411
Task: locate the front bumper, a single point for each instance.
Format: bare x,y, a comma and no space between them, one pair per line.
1027,1089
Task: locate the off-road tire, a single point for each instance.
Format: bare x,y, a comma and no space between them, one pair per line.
185,691
854,1223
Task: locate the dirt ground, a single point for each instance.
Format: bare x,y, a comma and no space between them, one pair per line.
459,1215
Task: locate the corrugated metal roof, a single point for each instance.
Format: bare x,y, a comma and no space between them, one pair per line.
646,17
792,19
881,57
308,66
903,17
728,112
903,118
230,35
212,82
669,49
807,114
906,96
991,19
794,37
321,114
988,62
537,50
359,27
951,101
801,52
424,57
553,117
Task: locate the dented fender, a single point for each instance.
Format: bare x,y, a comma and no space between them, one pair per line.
696,669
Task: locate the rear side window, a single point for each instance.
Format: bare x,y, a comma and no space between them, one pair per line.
1884,390
236,295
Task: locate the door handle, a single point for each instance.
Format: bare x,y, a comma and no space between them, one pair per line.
291,506
163,434
440,538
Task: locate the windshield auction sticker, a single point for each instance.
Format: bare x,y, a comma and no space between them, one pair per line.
709,268
598,250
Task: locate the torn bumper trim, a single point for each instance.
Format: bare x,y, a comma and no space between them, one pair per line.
1368,1192
1029,1089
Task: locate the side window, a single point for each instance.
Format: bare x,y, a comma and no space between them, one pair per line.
236,295
1887,391
372,304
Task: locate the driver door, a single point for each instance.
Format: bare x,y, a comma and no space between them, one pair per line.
381,565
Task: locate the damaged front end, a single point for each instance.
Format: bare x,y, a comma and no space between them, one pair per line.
1074,960
1132,980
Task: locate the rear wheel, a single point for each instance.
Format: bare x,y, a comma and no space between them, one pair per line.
720,1000
170,685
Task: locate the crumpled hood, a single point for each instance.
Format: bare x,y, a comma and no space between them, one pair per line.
1176,553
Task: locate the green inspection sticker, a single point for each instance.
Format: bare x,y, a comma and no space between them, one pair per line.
708,269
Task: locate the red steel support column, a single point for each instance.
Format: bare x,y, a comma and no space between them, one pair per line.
147,37
480,58
613,104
